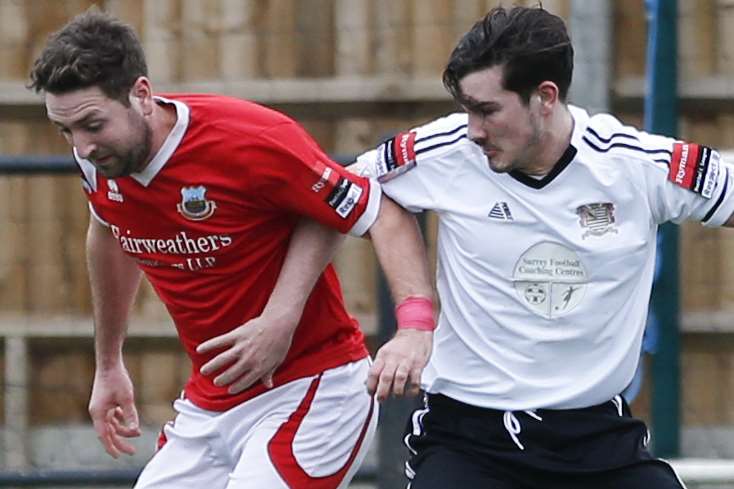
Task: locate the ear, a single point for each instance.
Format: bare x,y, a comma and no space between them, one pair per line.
548,94
141,96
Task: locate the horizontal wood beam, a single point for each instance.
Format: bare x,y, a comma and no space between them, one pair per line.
63,326
706,88
284,91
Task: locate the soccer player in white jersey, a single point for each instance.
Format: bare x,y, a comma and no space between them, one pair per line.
546,249
217,201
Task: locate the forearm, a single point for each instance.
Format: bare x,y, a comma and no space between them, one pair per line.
114,279
401,252
311,248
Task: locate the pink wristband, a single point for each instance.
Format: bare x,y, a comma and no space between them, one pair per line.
415,313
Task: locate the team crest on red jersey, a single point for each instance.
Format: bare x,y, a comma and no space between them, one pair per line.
194,205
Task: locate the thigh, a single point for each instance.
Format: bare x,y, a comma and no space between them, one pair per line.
441,468
653,474
187,458
318,443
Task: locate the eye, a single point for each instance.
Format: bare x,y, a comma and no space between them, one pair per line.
94,127
486,111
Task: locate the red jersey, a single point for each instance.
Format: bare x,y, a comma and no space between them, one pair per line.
209,222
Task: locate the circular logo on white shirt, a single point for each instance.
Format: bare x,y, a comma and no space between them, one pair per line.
550,279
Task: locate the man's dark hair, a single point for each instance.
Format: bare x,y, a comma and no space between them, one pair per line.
530,43
93,49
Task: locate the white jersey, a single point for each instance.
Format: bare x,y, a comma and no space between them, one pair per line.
544,283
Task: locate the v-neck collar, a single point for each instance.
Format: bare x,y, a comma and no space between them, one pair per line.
580,118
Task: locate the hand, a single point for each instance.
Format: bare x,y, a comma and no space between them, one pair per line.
399,363
253,351
112,408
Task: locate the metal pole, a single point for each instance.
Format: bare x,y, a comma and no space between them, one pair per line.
661,116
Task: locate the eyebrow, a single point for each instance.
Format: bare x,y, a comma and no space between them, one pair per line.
80,122
472,103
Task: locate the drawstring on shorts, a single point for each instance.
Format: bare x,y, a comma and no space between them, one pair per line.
512,425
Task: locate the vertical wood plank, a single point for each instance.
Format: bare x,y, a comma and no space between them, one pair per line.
161,39
725,19
433,36
353,43
393,37
200,30
238,40
16,403
697,46
279,40
315,38
630,38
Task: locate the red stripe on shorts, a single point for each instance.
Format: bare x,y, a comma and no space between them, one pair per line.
280,448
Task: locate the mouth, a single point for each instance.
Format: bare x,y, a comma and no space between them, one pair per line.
105,160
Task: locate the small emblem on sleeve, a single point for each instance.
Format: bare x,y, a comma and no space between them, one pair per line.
598,219
194,205
695,168
396,156
343,199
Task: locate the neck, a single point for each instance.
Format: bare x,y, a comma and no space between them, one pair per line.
162,120
555,136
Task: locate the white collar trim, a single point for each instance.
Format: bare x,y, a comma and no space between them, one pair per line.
169,145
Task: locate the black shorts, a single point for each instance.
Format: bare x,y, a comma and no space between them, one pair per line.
455,445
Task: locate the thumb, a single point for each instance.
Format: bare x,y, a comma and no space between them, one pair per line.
130,415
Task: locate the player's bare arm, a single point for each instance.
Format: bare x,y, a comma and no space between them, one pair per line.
399,246
114,280
255,350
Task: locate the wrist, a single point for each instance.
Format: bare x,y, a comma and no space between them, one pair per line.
415,312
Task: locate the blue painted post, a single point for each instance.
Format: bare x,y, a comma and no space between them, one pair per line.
661,116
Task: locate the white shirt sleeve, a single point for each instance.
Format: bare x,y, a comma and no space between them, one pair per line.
693,182
412,166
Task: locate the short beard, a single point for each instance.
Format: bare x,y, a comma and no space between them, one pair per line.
137,158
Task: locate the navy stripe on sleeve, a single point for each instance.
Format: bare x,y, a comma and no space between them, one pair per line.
716,206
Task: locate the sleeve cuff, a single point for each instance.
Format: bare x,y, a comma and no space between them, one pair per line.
369,216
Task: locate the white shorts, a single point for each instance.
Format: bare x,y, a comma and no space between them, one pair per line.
310,433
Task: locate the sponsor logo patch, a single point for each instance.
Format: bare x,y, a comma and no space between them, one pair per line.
695,168
350,202
396,156
321,184
344,198
597,219
335,198
550,279
114,191
194,204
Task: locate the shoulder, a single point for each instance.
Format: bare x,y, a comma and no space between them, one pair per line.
608,139
231,113
441,136
430,145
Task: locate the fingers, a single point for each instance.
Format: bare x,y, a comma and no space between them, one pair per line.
219,362
111,429
126,421
373,375
394,373
114,437
104,435
217,342
244,382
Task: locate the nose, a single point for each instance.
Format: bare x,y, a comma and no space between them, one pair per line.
475,128
84,145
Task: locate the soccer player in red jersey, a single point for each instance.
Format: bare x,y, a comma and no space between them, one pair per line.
222,204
